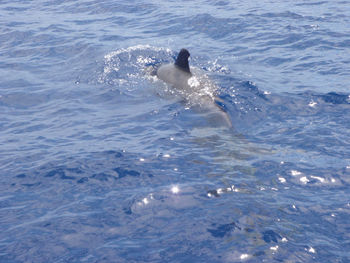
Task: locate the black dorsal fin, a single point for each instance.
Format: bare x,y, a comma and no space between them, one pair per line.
182,60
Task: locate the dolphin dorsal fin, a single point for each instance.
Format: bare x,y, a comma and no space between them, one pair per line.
182,60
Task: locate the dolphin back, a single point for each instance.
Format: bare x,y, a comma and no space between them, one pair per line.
172,75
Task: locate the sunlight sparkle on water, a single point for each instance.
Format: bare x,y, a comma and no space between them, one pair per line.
274,248
312,250
304,180
312,103
244,256
281,179
295,172
318,178
175,189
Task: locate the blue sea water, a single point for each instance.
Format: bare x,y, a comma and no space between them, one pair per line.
101,162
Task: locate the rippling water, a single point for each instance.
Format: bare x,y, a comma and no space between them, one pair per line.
101,162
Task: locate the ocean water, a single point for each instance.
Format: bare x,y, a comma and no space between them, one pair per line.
102,162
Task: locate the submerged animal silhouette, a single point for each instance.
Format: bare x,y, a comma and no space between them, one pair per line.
194,87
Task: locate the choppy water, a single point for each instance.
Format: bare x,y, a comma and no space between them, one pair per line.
100,162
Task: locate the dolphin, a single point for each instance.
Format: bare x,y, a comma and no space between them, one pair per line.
176,74
194,87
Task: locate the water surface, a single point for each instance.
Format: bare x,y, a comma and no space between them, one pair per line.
100,162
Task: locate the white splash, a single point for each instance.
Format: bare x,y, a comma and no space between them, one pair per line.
193,82
112,54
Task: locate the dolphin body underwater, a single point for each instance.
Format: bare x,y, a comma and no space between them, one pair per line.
195,88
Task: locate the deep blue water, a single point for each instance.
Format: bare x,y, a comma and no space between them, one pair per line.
100,162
